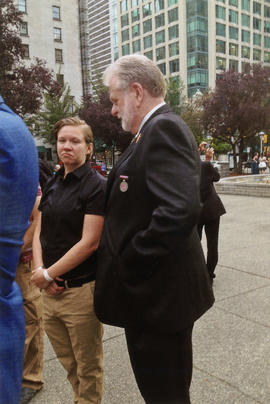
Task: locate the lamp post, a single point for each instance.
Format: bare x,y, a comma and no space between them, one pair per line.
261,134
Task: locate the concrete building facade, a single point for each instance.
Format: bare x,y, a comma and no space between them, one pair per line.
196,39
51,31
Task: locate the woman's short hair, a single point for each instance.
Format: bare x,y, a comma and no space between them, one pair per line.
136,68
75,121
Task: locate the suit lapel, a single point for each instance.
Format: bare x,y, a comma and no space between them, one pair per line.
165,108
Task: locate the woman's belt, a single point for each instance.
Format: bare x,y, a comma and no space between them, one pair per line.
75,282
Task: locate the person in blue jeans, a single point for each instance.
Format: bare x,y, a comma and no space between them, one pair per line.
18,188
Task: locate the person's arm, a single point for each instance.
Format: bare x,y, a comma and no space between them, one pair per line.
92,228
29,234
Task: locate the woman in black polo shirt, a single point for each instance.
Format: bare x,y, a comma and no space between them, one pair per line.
65,241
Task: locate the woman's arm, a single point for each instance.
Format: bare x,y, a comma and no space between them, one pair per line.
92,228
36,246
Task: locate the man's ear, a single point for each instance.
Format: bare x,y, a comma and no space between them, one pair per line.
138,91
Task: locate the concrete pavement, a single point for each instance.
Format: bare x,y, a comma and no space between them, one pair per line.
231,341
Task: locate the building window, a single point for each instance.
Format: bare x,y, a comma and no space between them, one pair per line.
245,5
135,15
162,68
134,3
159,5
56,13
160,53
197,24
267,26
174,49
160,20
267,11
257,24
220,29
57,34
147,10
233,49
220,46
233,65
174,66
220,12
267,42
26,53
147,26
220,63
160,37
136,46
197,78
245,20
172,2
125,50
233,3
135,30
124,6
267,57
173,15
147,42
125,35
174,32
256,8
233,16
245,52
24,28
149,55
60,79
22,6
233,33
58,55
124,20
245,36
197,60
256,54
257,39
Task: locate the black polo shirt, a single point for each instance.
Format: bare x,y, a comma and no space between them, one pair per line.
64,203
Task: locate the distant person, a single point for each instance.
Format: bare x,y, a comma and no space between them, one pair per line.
262,164
45,173
211,210
255,164
66,238
18,189
33,348
152,279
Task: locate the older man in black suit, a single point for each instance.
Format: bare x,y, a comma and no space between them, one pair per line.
152,279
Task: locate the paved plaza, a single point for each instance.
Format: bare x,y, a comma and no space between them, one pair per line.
231,341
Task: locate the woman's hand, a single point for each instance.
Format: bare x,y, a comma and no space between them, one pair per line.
54,289
38,278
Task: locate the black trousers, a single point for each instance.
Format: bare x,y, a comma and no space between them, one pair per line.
162,365
211,232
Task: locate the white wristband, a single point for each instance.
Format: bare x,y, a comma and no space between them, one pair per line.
47,276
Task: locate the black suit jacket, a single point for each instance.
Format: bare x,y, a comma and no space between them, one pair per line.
151,269
212,206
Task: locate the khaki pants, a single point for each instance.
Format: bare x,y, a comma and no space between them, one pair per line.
76,336
33,347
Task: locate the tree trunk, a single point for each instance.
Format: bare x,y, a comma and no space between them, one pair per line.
240,162
234,158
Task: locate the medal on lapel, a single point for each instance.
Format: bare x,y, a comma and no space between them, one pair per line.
123,183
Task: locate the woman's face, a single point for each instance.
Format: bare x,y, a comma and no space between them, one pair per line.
71,147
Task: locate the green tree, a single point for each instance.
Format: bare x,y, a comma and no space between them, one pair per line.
56,107
174,96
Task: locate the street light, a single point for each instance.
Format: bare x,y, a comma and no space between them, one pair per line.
261,134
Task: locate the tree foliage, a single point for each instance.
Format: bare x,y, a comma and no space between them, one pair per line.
174,96
107,128
56,106
21,86
238,109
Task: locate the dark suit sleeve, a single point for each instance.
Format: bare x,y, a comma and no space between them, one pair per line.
172,180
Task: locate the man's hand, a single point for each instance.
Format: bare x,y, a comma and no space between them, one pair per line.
209,153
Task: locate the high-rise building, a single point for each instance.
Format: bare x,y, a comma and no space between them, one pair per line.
51,31
196,39
98,50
